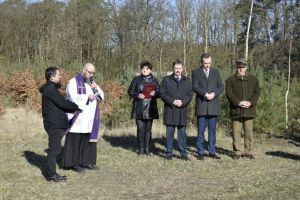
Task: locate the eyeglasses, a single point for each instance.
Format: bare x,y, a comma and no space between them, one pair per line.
90,72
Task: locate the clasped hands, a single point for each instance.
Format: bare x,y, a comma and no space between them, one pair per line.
245,104
210,96
177,103
142,96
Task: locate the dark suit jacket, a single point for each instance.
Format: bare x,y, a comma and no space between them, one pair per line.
203,85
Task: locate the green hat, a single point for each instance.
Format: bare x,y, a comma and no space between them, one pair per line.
241,62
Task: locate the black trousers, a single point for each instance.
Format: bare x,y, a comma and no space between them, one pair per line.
78,150
144,127
54,144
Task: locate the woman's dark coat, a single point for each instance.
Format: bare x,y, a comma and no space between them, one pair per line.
170,90
143,108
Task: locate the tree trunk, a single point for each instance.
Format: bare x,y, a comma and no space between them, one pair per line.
288,89
248,30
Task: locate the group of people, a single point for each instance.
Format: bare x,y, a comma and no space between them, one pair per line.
176,92
80,124
78,116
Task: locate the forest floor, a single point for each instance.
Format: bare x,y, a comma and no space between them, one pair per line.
274,174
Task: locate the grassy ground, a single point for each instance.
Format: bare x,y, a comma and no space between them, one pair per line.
275,174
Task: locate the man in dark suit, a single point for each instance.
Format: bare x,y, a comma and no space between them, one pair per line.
207,85
176,92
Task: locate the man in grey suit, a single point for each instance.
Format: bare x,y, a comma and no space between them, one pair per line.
207,85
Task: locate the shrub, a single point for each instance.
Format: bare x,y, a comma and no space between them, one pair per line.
21,85
113,107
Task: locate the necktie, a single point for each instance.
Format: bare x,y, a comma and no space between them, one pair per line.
206,72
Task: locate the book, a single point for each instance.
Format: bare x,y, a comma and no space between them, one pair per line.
148,88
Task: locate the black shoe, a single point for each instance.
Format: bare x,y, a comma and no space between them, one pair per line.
57,178
90,167
215,156
141,152
78,169
200,157
147,152
185,157
169,157
236,157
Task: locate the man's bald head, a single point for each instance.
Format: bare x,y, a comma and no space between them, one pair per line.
88,70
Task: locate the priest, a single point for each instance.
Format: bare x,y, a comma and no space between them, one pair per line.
80,150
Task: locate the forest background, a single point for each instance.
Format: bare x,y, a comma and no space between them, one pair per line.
117,35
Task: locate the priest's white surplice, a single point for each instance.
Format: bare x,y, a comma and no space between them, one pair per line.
84,121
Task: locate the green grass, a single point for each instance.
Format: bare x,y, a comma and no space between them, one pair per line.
275,174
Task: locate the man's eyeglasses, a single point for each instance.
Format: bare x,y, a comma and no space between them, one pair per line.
90,72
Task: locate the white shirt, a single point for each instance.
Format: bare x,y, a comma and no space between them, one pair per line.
84,121
206,71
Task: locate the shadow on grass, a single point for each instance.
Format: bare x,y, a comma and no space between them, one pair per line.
283,154
293,138
40,161
129,142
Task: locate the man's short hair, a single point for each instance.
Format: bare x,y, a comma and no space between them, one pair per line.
205,55
177,62
145,63
50,71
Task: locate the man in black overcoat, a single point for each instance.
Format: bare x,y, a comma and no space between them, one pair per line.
176,93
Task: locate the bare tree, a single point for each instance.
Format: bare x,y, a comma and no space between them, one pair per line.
248,30
184,8
206,25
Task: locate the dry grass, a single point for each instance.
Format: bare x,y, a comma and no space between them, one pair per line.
275,174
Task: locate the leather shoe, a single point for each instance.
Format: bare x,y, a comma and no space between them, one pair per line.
215,156
200,157
57,178
147,152
141,152
78,169
185,157
236,157
90,167
169,157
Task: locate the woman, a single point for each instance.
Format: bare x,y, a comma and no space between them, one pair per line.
144,91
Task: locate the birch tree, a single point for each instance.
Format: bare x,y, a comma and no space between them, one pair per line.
248,30
288,88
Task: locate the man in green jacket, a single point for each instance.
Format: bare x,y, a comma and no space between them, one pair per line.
242,91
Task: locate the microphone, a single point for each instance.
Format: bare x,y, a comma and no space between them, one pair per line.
95,91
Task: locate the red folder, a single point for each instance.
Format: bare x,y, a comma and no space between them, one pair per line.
148,87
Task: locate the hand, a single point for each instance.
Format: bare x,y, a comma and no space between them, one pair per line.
244,104
152,93
92,97
177,103
93,84
210,96
141,96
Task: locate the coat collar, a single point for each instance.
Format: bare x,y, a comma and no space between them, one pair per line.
172,76
239,77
